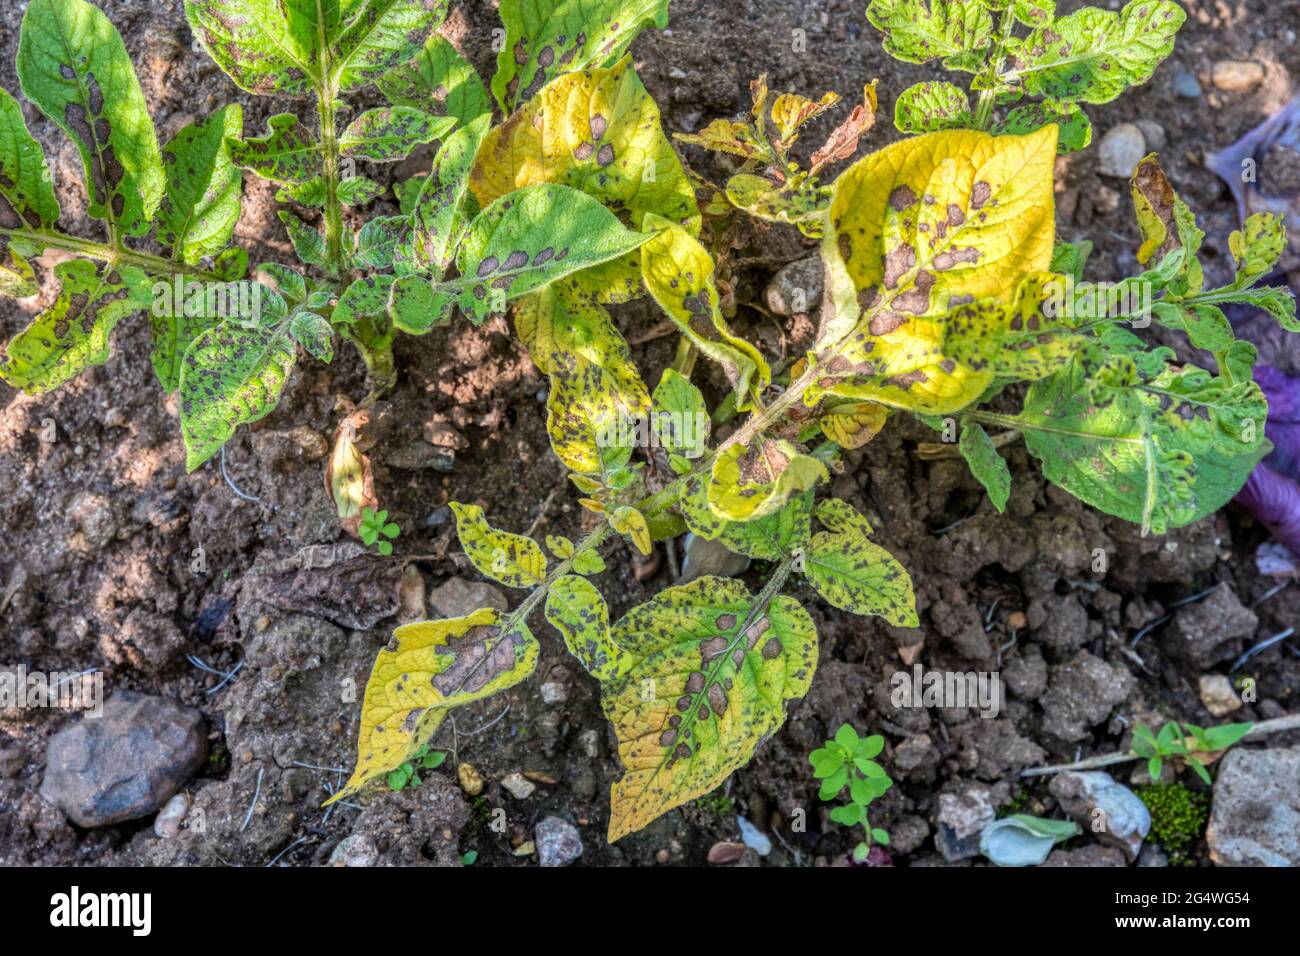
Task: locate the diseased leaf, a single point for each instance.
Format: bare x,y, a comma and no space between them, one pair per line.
27,198
631,523
988,467
1159,450
201,204
681,420
918,31
428,668
766,199
313,333
1073,123
252,42
522,242
773,538
439,81
17,277
920,228
348,474
576,609
1257,246
511,559
853,424
355,191
388,133
1093,55
231,375
286,153
931,106
709,676
753,481
855,574
678,271
72,333
597,131
307,241
545,38
73,65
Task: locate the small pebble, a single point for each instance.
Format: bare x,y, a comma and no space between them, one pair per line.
1153,133
1218,695
1120,150
520,787
168,822
1237,76
754,838
1186,85
471,781
554,692
662,856
558,842
725,853
527,848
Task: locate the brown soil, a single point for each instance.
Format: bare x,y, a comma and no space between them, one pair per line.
102,527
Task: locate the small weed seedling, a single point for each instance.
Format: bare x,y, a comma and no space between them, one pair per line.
408,774
846,760
1186,742
376,531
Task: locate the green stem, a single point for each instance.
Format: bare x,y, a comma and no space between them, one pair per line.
325,107
112,255
520,614
988,97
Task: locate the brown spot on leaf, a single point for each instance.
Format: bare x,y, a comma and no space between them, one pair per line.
979,194
898,262
901,198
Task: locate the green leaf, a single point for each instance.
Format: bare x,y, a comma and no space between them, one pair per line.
755,480
849,815
184,309
588,562
576,609
72,333
286,153
1093,55
678,271
230,375
1199,767
313,333
439,81
73,65
17,277
681,420
511,559
267,46
1073,123
25,183
859,576
825,762
930,106
522,242
201,205
1225,735
377,240
389,133
917,31
546,38
597,131
357,191
1160,451
711,671
366,297
307,241
428,668
988,467
767,539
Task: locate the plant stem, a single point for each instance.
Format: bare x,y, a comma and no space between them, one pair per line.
1265,727
112,255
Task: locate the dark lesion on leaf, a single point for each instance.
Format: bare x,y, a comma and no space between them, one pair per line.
480,655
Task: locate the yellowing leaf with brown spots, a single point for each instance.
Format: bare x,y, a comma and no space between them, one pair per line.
710,673
856,574
755,480
853,424
678,271
916,229
512,559
576,609
597,131
426,669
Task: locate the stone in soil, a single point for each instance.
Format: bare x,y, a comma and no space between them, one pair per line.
1109,810
126,763
796,288
1081,694
1204,633
558,842
457,597
963,814
1120,150
519,786
1218,695
1094,855
1255,819
1237,76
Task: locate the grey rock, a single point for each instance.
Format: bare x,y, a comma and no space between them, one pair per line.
1025,676
1153,133
1203,633
168,822
558,842
126,763
1081,694
703,556
457,597
1120,150
1185,84
907,834
1152,856
796,288
1255,819
963,815
1110,810
519,786
419,455
1218,695
554,692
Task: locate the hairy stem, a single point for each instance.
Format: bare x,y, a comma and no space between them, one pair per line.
325,107
112,255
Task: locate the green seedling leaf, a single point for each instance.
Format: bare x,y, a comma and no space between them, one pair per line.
913,236
588,563
428,668
678,271
201,204
25,183
73,65
389,133
755,480
988,467
710,672
597,131
72,333
230,375
1093,55
286,153
438,80
575,609
547,38
855,574
931,106
511,559
917,32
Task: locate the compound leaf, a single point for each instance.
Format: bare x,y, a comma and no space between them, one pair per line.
512,559
710,672
73,65
201,205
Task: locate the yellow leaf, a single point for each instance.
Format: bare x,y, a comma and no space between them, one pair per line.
597,131
426,669
916,229
512,559
753,481
853,424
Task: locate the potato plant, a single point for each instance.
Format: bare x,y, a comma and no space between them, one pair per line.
945,287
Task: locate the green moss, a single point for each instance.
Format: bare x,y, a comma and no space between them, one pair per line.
1178,818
